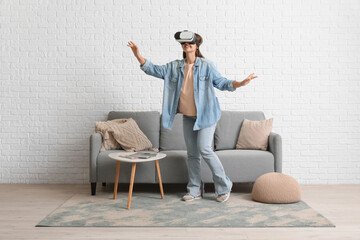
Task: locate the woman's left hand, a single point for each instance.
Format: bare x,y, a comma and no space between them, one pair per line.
246,81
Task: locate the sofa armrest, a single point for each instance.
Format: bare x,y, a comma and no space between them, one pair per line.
95,146
275,147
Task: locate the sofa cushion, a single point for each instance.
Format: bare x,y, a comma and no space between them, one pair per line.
241,165
108,140
131,138
148,122
173,167
173,139
254,134
229,125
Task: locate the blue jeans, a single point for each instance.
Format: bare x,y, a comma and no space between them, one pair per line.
199,143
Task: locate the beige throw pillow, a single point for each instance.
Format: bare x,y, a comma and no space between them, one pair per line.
104,128
130,137
254,134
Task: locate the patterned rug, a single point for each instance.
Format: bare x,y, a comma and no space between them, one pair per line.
149,210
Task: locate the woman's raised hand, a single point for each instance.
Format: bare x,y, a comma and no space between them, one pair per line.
136,52
134,48
248,79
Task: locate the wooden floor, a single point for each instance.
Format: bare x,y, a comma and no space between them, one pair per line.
22,206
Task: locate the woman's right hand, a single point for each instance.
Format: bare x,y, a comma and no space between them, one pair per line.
134,48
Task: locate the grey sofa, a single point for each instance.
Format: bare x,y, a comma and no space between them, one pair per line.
240,165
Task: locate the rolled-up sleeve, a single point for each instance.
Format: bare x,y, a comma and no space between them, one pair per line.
154,70
219,81
145,66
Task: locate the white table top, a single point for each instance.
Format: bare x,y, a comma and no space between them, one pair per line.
115,156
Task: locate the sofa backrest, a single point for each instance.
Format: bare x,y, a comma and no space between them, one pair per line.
228,127
225,137
173,139
148,122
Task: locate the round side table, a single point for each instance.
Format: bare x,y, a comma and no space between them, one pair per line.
117,156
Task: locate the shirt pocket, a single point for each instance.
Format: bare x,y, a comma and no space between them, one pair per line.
173,81
204,82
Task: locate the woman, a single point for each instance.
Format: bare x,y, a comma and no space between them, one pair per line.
189,89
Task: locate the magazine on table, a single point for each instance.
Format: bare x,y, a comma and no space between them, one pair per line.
140,155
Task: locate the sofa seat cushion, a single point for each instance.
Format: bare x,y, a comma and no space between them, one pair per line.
173,167
242,165
106,169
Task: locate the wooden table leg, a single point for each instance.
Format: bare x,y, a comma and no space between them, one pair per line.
116,178
131,184
159,176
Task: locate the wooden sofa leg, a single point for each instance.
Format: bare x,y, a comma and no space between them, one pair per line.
93,188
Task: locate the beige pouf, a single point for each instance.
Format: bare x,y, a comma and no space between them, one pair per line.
276,187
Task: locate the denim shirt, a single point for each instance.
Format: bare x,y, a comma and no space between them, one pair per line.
206,77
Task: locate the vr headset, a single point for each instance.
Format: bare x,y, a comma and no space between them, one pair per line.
186,37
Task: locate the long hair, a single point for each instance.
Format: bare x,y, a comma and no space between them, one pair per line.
197,53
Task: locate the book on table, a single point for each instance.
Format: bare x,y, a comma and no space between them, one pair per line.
140,155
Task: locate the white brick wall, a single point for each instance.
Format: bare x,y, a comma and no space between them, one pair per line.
65,65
